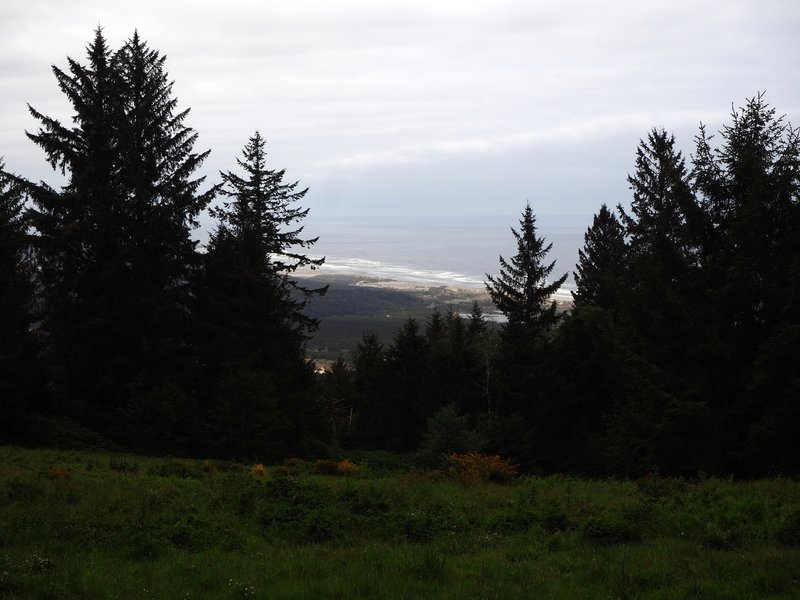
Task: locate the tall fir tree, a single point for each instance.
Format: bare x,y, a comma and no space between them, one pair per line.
658,319
662,255
408,410
452,365
599,273
264,216
522,291
372,410
664,214
750,185
19,381
75,248
114,242
250,305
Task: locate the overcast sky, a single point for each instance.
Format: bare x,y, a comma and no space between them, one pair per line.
436,106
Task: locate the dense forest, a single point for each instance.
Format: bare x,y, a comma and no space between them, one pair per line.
119,331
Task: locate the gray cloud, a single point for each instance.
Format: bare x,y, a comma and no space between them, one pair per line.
477,101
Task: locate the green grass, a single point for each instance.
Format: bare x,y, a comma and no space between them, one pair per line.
89,525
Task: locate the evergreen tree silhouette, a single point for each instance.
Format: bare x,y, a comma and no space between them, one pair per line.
250,308
114,242
599,273
19,380
522,291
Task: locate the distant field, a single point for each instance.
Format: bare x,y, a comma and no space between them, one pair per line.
338,335
77,525
348,311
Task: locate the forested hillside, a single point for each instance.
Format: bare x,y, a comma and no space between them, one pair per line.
119,331
677,355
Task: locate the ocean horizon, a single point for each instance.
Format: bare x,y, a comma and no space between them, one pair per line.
437,250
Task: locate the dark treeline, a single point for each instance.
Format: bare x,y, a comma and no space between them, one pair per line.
116,327
678,354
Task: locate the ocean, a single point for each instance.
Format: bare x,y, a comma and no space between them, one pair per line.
449,250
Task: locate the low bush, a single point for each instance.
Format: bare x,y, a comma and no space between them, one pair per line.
553,518
258,470
334,467
789,531
122,464
480,468
609,530
447,432
188,469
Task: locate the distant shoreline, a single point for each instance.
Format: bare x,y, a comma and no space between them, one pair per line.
443,294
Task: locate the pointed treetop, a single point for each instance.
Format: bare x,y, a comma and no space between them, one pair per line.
522,291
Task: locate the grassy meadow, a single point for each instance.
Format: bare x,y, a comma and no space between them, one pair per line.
99,525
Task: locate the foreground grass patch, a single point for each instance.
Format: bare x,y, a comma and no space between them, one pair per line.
87,525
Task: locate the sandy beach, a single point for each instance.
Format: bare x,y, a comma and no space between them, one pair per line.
441,295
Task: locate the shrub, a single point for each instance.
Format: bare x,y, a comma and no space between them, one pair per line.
789,531
366,501
18,489
427,565
192,533
513,520
176,467
446,432
323,525
57,473
326,467
346,467
473,467
298,494
655,487
637,512
607,531
421,526
293,466
121,464
243,494
332,467
718,536
554,519
143,545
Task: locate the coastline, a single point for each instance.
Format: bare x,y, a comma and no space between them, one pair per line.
446,295
356,304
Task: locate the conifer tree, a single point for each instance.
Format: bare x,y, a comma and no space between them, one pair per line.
659,317
75,247
598,277
663,250
248,289
476,320
452,368
114,242
250,307
372,410
406,357
18,378
522,291
664,215
750,187
264,217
